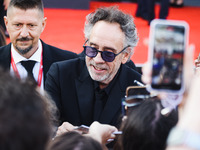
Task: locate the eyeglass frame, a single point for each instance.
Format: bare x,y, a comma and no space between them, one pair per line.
103,51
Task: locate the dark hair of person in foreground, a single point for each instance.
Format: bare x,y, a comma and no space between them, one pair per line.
74,141
24,115
146,128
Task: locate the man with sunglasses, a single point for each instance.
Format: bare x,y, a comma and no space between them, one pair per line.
128,63
90,88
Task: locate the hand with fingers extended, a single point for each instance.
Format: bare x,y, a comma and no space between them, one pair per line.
102,132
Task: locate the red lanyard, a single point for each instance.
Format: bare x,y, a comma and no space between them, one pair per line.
39,81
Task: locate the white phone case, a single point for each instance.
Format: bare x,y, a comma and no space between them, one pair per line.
167,39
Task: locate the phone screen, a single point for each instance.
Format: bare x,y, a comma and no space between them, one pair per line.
136,90
169,43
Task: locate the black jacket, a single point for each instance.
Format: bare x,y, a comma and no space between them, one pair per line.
71,87
50,55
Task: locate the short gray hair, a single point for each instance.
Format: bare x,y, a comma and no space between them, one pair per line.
113,15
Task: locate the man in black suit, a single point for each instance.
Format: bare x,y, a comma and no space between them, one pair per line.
93,88
25,22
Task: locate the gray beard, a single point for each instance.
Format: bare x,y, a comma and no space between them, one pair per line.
24,51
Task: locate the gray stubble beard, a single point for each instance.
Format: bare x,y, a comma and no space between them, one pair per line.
24,51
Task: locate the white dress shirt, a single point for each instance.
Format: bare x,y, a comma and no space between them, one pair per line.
22,71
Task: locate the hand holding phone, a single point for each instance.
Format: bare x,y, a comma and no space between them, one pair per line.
83,129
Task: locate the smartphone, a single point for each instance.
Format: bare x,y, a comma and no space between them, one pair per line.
83,129
168,41
135,95
136,90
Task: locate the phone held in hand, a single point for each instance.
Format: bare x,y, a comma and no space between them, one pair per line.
168,41
83,129
136,90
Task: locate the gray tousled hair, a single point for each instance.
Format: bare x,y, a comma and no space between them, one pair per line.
114,15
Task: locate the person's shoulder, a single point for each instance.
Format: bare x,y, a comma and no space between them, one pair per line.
76,63
66,68
56,49
130,70
129,74
5,47
131,64
57,52
5,50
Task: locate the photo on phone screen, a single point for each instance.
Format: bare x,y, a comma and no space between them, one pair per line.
168,40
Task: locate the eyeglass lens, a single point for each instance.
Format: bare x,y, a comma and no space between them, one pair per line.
92,52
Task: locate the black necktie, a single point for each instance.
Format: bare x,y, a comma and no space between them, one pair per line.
28,65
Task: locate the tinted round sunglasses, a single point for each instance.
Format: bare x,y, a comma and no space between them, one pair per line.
106,55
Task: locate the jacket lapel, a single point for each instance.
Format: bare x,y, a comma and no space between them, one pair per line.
46,59
85,95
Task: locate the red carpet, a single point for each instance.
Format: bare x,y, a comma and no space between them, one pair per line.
65,27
